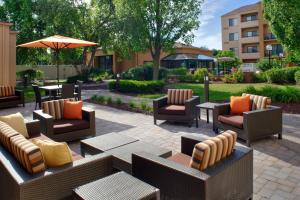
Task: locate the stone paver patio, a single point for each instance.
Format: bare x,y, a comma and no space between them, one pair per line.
276,162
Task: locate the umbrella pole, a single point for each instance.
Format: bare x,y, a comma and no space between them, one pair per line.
57,65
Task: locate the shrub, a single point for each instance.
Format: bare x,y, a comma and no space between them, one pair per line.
82,77
181,71
238,76
119,101
297,77
228,78
199,74
131,104
260,77
284,75
277,94
145,107
143,72
131,86
263,64
109,100
188,78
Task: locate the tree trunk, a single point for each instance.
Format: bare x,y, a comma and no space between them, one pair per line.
84,58
156,64
92,58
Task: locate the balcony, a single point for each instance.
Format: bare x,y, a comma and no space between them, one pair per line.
247,24
246,39
248,55
270,36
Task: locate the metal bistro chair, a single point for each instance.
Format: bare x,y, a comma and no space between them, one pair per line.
38,97
67,92
78,89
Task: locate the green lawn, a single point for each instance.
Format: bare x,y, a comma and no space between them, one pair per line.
218,91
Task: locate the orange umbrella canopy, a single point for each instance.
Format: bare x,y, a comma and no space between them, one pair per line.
58,42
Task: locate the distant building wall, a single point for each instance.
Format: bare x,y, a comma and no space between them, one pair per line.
50,71
7,55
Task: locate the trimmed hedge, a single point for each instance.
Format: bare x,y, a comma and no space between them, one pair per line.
283,75
297,77
138,87
277,94
143,73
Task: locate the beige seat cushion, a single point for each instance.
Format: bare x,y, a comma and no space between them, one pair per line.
16,121
6,132
213,151
181,158
172,110
233,120
219,144
179,96
224,144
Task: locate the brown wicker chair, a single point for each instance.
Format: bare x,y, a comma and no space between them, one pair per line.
12,100
176,112
231,178
55,183
252,125
67,130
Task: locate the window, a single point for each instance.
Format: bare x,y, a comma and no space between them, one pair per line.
251,49
277,49
233,36
235,50
106,62
232,22
250,18
250,34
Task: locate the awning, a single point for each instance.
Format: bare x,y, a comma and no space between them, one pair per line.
200,57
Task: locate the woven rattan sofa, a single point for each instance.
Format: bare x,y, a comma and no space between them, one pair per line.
261,121
231,178
64,129
178,106
9,97
54,183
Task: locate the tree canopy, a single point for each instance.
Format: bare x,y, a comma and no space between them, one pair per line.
284,20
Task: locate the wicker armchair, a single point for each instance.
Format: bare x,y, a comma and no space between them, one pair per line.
231,178
253,125
54,183
176,110
67,130
11,99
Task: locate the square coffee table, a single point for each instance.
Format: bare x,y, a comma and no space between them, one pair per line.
104,143
118,186
123,154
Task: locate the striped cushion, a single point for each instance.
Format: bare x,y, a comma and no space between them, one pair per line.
179,96
28,154
55,108
224,144
219,144
258,102
233,135
200,157
230,142
7,91
6,132
213,151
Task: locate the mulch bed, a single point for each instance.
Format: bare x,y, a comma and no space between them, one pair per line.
293,108
121,107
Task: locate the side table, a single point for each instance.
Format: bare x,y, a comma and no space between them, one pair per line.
118,186
207,106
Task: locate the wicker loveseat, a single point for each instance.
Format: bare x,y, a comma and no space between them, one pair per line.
230,178
10,97
55,127
261,121
178,106
54,183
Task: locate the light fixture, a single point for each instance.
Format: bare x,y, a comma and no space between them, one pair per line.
269,47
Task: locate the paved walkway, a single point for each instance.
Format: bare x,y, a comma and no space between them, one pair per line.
276,162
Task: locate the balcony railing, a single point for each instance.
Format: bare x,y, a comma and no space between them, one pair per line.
273,53
270,36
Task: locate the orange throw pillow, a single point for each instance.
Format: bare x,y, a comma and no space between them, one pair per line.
238,105
73,109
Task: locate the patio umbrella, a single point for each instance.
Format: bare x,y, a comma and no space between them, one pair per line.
56,43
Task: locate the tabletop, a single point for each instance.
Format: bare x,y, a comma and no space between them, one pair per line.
207,105
53,87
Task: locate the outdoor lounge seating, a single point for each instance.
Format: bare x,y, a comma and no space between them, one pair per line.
178,106
10,97
229,178
53,183
38,97
261,121
54,126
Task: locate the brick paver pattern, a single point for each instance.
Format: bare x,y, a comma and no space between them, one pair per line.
276,162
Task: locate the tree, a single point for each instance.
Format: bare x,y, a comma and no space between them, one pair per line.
284,20
228,60
156,25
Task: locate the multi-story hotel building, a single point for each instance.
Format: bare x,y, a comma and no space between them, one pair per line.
246,32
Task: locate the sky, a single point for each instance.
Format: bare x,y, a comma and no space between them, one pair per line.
209,33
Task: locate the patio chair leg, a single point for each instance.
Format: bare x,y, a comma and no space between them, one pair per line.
155,123
280,136
35,106
248,143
